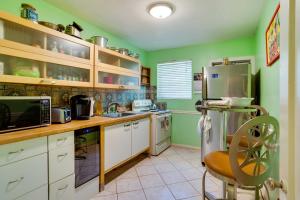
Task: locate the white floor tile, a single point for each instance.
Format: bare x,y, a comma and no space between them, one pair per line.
182,165
166,167
126,185
110,197
191,174
151,181
145,162
145,170
134,195
158,193
182,190
159,160
172,177
194,198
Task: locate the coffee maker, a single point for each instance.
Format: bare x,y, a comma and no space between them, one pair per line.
80,107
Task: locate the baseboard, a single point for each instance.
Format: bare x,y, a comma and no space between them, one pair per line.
185,146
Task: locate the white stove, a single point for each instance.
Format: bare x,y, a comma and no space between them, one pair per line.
161,124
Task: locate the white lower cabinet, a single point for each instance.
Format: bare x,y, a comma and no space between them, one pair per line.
123,141
38,194
117,144
21,177
140,135
63,189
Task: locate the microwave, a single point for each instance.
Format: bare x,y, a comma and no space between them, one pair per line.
23,112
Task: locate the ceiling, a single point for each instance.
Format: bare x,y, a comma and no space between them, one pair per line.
194,21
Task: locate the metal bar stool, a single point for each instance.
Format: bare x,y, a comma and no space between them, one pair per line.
245,167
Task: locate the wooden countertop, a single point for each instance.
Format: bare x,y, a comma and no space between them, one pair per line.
17,136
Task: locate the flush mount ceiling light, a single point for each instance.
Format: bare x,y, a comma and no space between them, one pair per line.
161,10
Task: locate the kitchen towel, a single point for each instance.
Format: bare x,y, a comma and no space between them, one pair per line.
204,126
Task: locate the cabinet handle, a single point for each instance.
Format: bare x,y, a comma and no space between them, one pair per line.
62,155
16,181
121,86
61,141
126,125
14,152
63,188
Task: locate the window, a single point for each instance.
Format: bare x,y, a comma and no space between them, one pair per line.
174,80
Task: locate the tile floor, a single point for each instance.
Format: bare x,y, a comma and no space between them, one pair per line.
174,174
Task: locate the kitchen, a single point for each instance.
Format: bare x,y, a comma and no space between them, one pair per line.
129,137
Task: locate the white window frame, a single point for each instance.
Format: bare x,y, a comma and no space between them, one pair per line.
190,84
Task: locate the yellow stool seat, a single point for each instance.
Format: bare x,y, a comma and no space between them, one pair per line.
219,163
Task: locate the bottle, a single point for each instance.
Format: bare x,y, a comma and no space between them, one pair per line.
99,109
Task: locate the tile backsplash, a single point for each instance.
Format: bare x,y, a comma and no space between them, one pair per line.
60,95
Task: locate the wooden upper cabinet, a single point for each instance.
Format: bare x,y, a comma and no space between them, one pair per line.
115,70
34,54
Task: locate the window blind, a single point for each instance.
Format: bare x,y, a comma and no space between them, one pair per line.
174,80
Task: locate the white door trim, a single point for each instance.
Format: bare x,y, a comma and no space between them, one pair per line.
287,99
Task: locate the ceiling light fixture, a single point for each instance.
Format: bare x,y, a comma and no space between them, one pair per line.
161,10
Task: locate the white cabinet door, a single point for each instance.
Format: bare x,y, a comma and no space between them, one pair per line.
117,144
63,189
140,135
21,177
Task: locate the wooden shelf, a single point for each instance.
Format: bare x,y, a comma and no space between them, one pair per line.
145,76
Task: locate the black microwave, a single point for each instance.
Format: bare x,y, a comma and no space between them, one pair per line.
22,112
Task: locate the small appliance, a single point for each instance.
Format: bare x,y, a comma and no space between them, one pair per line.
61,115
23,112
80,107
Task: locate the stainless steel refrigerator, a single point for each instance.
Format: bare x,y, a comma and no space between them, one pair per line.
224,81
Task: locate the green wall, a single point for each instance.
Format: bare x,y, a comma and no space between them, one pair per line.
48,12
184,125
269,76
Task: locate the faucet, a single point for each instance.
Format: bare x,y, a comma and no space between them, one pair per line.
115,104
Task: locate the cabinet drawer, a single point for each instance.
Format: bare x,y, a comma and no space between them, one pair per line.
61,163
40,194
23,176
63,189
60,140
17,151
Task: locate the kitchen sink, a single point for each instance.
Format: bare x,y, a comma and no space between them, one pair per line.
117,115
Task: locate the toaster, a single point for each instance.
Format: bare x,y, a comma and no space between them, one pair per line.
60,115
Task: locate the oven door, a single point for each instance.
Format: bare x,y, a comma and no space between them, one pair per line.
163,127
19,113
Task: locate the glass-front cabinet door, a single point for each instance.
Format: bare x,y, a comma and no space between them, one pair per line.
24,35
40,70
34,54
109,79
111,59
115,70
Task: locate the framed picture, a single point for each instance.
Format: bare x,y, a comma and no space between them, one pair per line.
273,38
198,77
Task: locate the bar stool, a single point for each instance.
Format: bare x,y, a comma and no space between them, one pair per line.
245,167
259,111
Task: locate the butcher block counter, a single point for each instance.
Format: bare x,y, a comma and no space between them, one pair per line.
16,136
